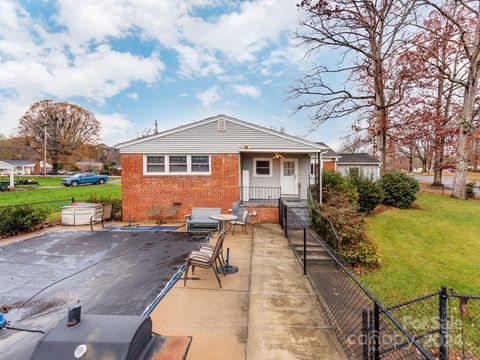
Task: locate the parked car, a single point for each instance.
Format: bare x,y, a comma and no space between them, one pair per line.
84,178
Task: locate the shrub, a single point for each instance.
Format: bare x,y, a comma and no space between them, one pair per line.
370,193
470,192
334,183
399,189
17,219
116,204
349,224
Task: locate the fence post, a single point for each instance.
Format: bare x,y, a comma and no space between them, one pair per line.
376,332
365,334
442,351
285,221
304,251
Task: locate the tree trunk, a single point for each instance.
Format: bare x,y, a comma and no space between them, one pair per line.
438,163
424,165
410,164
466,123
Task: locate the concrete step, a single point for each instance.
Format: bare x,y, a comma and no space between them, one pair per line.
316,258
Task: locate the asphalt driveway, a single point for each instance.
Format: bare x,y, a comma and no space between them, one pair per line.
107,272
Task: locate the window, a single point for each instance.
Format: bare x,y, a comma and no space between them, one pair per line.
200,163
263,167
155,164
354,171
177,163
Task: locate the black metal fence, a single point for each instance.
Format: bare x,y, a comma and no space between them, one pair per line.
429,327
264,194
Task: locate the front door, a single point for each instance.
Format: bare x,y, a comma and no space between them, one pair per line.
289,171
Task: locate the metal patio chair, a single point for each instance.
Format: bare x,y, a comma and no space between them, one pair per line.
241,221
154,212
106,215
206,259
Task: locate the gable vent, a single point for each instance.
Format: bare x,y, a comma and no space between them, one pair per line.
222,125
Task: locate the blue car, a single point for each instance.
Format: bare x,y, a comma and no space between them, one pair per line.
84,178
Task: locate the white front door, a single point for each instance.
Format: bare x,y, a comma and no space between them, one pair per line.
289,174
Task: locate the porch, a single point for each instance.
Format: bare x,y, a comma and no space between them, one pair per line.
266,177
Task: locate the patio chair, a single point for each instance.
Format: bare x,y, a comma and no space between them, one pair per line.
154,212
206,259
199,219
241,221
106,215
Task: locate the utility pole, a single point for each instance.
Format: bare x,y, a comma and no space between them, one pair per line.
45,149
156,127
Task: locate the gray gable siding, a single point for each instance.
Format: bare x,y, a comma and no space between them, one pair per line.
205,138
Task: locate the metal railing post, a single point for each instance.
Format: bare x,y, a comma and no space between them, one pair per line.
280,213
442,351
304,251
285,221
376,332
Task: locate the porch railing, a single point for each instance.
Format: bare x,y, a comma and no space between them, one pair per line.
264,194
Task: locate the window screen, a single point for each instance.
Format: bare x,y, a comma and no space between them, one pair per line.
155,164
200,163
177,163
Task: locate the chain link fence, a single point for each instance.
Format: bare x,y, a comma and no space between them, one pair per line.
441,325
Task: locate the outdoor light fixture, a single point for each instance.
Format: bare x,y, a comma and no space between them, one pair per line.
277,156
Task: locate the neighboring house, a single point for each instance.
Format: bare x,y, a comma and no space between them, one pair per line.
212,163
361,163
89,165
329,159
7,170
28,167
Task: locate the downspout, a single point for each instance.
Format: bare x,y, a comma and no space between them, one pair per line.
321,176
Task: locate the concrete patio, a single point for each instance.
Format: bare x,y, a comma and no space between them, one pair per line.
265,311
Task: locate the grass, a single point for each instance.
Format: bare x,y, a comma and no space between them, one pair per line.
51,194
435,244
48,181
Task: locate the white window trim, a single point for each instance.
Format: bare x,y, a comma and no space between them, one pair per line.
167,166
255,167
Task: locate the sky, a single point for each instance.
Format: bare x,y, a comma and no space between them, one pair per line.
132,62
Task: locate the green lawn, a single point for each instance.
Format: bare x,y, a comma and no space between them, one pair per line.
49,194
436,244
48,181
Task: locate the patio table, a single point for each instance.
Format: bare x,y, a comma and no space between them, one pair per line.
224,219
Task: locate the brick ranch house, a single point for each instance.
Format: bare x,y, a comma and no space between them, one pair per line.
212,163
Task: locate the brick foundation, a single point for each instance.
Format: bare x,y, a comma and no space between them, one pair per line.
139,192
264,215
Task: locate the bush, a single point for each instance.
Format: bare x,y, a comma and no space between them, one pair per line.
116,204
334,183
399,189
17,219
349,224
370,193
470,192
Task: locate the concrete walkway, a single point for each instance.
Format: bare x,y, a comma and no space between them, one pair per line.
265,311
285,318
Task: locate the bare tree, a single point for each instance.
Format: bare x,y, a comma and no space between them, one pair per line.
67,125
352,144
368,35
464,15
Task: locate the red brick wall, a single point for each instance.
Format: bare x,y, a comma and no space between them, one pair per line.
139,192
264,215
